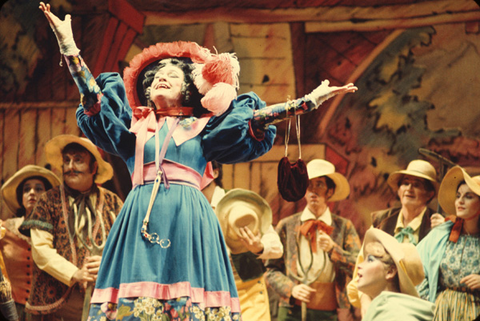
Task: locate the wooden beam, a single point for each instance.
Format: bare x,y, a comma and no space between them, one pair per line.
125,12
384,24
334,14
40,104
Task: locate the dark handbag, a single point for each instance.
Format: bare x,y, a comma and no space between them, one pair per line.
292,178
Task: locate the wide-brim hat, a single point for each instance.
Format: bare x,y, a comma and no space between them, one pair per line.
240,208
219,70
447,192
9,189
55,146
404,255
418,168
321,167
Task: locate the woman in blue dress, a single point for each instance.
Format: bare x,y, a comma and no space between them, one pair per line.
175,110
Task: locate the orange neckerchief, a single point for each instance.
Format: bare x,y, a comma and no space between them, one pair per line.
456,228
309,228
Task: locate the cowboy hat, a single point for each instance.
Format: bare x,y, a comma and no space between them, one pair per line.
321,167
404,255
55,146
448,189
418,168
240,208
9,189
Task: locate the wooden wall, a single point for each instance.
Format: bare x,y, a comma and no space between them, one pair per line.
24,132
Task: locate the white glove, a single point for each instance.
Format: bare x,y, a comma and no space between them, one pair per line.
325,92
62,30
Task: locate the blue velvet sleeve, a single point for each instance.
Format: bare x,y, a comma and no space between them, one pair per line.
227,138
109,128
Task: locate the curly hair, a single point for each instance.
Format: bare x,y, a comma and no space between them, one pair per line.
190,94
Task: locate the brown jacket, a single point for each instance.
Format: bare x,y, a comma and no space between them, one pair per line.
343,256
386,220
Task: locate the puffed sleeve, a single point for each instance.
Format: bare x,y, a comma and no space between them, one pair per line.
229,138
109,127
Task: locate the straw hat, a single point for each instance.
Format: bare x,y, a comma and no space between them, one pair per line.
418,168
448,189
9,189
321,167
404,255
53,151
240,208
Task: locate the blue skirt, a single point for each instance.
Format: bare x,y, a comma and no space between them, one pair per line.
188,265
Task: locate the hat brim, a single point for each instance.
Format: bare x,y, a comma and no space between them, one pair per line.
342,187
397,252
9,188
448,189
395,177
53,153
255,202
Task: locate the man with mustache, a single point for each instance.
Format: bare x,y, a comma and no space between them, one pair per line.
320,250
68,228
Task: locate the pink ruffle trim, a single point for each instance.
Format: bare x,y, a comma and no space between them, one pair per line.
167,292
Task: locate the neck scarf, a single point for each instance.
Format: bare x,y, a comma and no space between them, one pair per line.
406,232
82,219
309,229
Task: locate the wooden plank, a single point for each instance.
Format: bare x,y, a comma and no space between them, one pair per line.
125,46
223,38
268,188
270,94
266,71
43,130
298,41
256,176
227,176
112,63
271,42
27,138
71,126
125,12
3,209
241,176
106,43
58,122
309,152
265,55
331,15
2,143
383,24
10,145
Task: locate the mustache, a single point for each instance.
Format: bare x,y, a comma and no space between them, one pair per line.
73,172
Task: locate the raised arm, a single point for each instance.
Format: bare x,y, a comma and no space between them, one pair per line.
279,112
90,93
